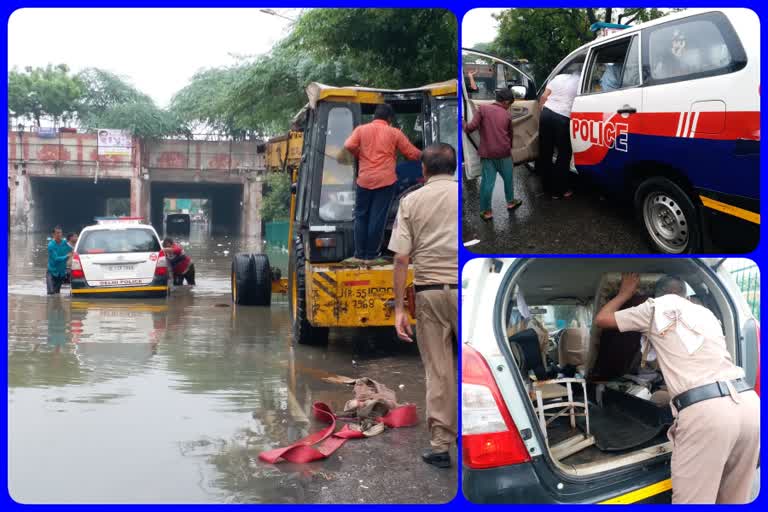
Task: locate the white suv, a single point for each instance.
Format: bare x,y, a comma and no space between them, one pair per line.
119,257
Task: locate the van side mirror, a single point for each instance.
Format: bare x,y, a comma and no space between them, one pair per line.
519,91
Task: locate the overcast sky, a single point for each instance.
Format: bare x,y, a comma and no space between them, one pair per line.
478,27
158,50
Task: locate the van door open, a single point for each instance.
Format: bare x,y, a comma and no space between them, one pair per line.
489,74
605,113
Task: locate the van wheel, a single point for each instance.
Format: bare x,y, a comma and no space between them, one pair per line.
240,279
669,216
261,285
304,333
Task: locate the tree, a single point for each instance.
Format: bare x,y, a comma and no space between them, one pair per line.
104,90
207,100
140,119
38,93
110,101
546,36
392,48
277,197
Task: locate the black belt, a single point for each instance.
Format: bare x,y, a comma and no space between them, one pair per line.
426,287
708,392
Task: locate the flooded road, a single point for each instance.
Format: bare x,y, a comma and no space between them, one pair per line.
172,400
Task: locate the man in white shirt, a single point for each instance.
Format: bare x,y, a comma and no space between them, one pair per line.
554,126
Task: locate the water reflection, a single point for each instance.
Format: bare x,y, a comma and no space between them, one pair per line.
185,393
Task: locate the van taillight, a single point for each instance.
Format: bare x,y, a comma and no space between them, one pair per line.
77,267
161,268
489,437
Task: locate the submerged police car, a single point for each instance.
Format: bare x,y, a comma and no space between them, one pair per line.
667,115
119,257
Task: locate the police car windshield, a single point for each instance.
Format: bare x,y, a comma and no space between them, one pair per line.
110,241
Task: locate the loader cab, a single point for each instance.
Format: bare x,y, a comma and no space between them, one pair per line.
325,186
322,291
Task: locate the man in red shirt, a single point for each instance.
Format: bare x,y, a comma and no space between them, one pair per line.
495,125
375,145
181,264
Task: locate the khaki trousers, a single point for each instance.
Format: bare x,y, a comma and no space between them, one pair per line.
436,324
716,446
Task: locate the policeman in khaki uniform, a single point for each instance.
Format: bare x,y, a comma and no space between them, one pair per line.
426,230
716,434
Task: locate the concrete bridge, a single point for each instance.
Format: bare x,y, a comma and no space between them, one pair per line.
63,180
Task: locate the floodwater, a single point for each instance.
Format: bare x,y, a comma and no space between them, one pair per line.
171,401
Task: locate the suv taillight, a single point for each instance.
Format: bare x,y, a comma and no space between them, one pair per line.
161,268
489,437
77,267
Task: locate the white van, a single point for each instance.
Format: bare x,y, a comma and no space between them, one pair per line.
667,116
119,257
514,450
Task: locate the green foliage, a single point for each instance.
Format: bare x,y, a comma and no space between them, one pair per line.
276,202
392,48
206,100
49,92
141,119
546,36
105,90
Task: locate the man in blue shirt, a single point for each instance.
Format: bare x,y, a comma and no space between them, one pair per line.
58,253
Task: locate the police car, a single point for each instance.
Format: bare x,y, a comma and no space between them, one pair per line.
518,445
668,116
119,257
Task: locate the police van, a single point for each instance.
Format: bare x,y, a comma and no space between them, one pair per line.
557,410
667,115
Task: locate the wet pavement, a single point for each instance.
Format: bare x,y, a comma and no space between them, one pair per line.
162,401
584,224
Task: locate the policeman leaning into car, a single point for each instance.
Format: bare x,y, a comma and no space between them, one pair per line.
716,434
426,230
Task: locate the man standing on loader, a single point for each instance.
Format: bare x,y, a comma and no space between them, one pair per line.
429,235
375,145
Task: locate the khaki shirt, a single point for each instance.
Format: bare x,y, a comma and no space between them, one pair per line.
708,362
427,229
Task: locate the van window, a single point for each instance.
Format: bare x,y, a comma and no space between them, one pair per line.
607,67
489,75
694,47
631,75
574,65
337,193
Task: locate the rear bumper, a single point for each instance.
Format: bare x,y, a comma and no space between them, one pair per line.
156,289
534,482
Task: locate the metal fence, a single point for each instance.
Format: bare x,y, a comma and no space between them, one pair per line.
276,233
747,276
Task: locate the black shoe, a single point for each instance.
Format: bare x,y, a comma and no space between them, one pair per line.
439,459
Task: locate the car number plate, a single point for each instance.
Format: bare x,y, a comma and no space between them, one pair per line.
120,268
